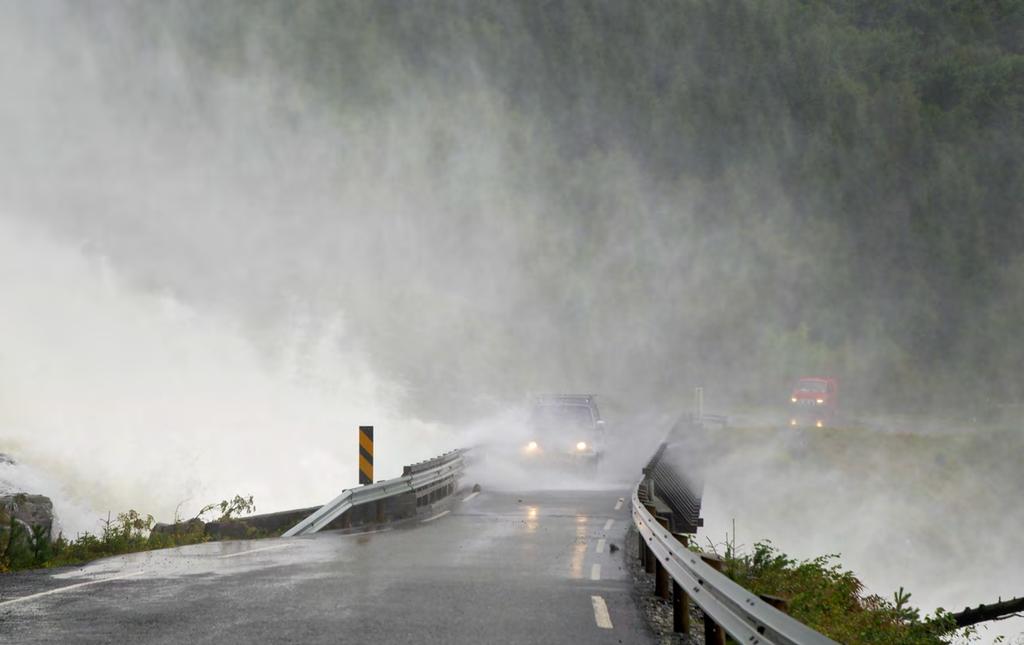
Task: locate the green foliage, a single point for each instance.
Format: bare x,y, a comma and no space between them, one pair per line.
831,600
230,508
21,548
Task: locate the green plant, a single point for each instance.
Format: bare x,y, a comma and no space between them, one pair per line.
131,531
832,600
228,508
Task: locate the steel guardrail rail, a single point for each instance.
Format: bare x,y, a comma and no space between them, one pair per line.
720,419
428,464
678,493
449,466
741,613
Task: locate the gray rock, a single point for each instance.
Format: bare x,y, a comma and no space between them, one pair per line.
30,510
6,459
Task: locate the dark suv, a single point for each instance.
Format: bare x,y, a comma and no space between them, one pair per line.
565,427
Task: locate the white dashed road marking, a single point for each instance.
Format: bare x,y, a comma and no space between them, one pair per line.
618,504
601,617
266,548
470,496
600,546
608,525
595,572
71,587
434,517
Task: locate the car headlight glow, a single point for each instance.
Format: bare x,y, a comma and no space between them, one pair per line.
582,445
792,422
532,446
820,424
819,401
793,399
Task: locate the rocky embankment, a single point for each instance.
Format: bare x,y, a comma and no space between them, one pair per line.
28,509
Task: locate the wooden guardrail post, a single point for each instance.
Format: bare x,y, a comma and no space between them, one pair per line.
680,601
649,560
713,633
680,609
661,576
779,603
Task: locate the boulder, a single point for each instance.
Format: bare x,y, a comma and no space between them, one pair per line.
29,510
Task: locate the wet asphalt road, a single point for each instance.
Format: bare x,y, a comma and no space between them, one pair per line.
496,568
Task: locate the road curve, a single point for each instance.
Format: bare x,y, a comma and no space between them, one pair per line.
532,567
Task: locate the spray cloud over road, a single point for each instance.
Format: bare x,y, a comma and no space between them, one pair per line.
231,232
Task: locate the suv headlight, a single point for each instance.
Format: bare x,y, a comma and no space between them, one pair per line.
581,446
532,446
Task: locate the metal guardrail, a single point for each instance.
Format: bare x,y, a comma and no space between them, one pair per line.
425,475
720,419
666,509
741,613
681,496
429,464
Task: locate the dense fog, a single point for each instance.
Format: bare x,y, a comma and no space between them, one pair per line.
232,232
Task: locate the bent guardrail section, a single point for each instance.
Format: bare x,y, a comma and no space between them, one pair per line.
741,613
666,505
429,481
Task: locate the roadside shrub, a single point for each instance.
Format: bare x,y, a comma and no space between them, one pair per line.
129,532
824,596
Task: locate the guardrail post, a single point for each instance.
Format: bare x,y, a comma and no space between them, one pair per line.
661,577
680,610
779,603
680,601
649,559
713,634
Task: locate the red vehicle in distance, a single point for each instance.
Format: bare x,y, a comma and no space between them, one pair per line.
813,402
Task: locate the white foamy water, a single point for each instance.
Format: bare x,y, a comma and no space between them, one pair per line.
114,398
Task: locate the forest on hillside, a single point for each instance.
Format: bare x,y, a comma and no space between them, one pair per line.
726,192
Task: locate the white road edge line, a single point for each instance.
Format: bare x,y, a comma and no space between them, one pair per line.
608,525
595,572
618,504
601,617
264,548
470,496
600,546
361,533
431,519
71,587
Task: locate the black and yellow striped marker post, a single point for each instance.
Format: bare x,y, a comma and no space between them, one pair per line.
365,455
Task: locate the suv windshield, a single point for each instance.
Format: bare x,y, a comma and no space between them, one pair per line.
553,417
810,386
